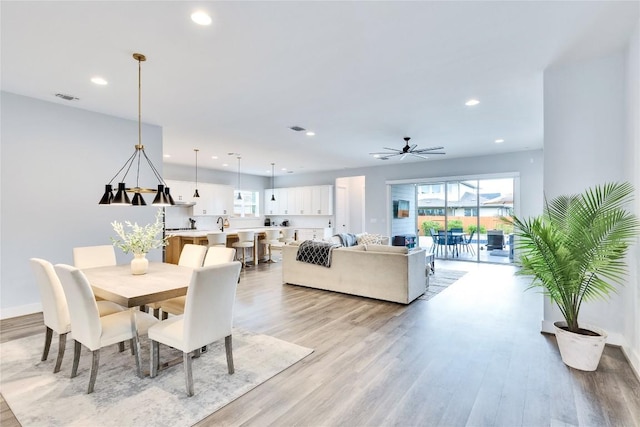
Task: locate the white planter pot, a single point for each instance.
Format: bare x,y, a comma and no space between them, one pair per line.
581,352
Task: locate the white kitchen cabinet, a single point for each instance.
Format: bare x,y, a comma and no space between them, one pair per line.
310,200
322,200
181,191
215,199
313,233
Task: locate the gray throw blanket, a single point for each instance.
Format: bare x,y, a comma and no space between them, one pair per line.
348,239
318,253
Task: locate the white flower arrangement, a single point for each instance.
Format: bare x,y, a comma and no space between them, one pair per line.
140,240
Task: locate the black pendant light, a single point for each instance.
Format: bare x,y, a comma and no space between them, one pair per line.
196,194
239,194
162,198
273,197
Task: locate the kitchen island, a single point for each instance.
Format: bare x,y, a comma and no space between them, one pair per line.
178,239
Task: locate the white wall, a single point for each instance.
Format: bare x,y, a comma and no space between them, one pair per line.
586,113
631,329
55,163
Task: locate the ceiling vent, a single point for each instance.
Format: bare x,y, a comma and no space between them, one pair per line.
67,97
297,128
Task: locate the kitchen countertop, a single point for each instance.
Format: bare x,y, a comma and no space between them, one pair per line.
230,231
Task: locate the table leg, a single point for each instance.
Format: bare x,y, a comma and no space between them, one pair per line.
255,249
136,342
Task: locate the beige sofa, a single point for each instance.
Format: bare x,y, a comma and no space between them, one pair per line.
389,273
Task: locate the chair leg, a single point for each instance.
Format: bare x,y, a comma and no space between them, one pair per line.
154,358
62,342
196,353
76,358
121,346
47,343
156,313
165,315
188,376
228,345
95,360
132,344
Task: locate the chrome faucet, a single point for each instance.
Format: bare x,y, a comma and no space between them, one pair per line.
220,221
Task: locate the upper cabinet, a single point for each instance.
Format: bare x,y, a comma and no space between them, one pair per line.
312,200
215,199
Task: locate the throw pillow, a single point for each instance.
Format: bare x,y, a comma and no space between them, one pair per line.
369,239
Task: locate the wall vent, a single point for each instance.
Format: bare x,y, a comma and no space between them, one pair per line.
297,128
67,97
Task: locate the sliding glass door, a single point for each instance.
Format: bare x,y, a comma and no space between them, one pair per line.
463,219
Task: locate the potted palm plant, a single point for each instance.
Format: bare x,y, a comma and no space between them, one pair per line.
575,252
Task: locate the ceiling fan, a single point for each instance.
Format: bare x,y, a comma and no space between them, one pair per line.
408,150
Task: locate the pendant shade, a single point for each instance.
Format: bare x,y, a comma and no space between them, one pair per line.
138,200
121,197
107,197
163,198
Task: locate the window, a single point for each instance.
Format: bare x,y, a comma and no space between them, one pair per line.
248,206
470,211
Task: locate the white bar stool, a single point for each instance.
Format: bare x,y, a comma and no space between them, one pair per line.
245,240
272,237
217,239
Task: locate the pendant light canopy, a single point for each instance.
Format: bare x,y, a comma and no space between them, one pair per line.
273,197
196,194
239,194
163,196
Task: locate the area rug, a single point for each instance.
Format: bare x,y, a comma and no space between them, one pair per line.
38,397
440,281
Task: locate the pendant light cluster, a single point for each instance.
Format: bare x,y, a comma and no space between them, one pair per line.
196,194
163,196
273,197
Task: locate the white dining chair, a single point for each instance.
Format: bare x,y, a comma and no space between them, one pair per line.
215,256
191,256
91,330
245,240
271,238
55,310
94,256
208,317
217,239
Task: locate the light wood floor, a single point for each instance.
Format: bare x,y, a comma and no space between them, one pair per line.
472,356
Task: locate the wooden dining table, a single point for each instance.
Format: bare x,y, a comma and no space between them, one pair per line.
116,283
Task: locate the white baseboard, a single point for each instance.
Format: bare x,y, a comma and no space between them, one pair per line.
616,339
23,310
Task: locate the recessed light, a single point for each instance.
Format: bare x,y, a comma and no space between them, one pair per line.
225,164
284,169
472,102
310,133
214,157
98,80
166,155
499,141
201,18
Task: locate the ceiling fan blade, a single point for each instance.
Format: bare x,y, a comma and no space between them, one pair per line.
392,149
413,147
403,156
419,155
426,150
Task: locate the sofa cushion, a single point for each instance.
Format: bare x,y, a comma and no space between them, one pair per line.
369,239
387,249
